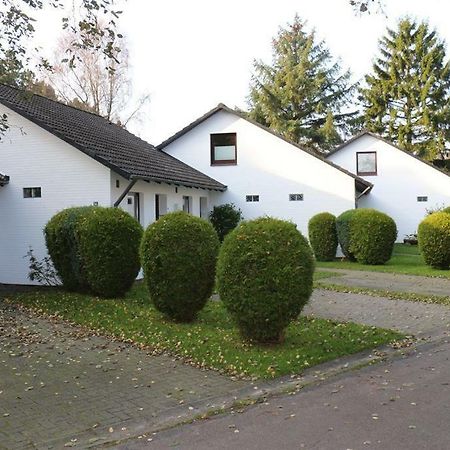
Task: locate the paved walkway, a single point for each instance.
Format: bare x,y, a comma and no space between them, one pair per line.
60,386
399,405
390,282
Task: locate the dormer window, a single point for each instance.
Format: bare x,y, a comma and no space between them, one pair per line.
366,163
223,149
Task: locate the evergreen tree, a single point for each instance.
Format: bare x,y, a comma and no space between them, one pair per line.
303,93
407,96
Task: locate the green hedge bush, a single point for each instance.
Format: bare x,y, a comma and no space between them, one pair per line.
434,240
446,210
179,254
109,241
62,246
372,236
225,218
343,230
323,236
265,276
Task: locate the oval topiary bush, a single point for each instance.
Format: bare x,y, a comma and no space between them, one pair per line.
372,236
225,218
62,246
434,240
343,230
323,236
265,276
109,240
179,254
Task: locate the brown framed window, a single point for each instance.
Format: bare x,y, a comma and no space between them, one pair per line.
223,149
366,163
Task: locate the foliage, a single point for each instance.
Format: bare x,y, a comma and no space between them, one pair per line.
179,253
42,270
407,97
213,341
225,218
343,230
406,259
109,240
372,236
265,276
446,210
434,240
303,94
62,246
323,236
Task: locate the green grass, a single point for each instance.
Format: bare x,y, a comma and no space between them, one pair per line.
213,340
393,295
406,259
320,275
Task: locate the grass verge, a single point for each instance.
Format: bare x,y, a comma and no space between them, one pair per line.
213,340
393,295
405,260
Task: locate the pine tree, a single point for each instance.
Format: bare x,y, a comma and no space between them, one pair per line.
407,96
303,93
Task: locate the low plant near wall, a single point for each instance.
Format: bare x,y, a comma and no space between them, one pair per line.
322,236
434,240
265,277
179,254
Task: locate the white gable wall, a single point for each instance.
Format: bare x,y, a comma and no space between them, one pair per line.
399,181
33,157
269,167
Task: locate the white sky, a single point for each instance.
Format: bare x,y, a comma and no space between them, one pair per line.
192,55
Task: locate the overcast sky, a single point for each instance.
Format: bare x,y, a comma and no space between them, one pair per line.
191,55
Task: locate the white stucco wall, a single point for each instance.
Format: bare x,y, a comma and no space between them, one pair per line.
269,167
399,181
32,157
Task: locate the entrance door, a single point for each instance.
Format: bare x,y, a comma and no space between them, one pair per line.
132,205
186,203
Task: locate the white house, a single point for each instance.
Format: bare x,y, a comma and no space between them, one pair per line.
265,173
54,156
404,186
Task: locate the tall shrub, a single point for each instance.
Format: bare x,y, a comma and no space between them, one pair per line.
225,218
323,236
343,230
434,240
109,240
62,246
179,254
372,236
265,276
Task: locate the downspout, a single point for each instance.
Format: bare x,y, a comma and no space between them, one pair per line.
125,192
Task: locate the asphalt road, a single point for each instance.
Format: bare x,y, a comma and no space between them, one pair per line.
401,404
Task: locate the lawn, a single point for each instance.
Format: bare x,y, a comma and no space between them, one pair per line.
406,259
213,340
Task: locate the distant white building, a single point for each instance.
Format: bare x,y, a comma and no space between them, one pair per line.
404,185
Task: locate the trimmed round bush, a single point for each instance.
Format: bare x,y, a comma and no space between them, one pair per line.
343,230
225,218
109,240
265,277
372,236
434,240
323,236
446,210
179,254
62,246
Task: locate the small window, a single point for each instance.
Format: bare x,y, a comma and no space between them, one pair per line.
252,198
366,163
223,149
32,192
295,197
422,198
130,200
117,183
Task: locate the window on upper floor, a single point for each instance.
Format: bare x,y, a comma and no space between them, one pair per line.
223,149
366,163
32,192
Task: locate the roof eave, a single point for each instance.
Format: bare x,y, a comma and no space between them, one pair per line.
219,187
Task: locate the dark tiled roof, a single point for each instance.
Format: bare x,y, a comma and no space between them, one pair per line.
104,141
381,138
4,179
361,184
